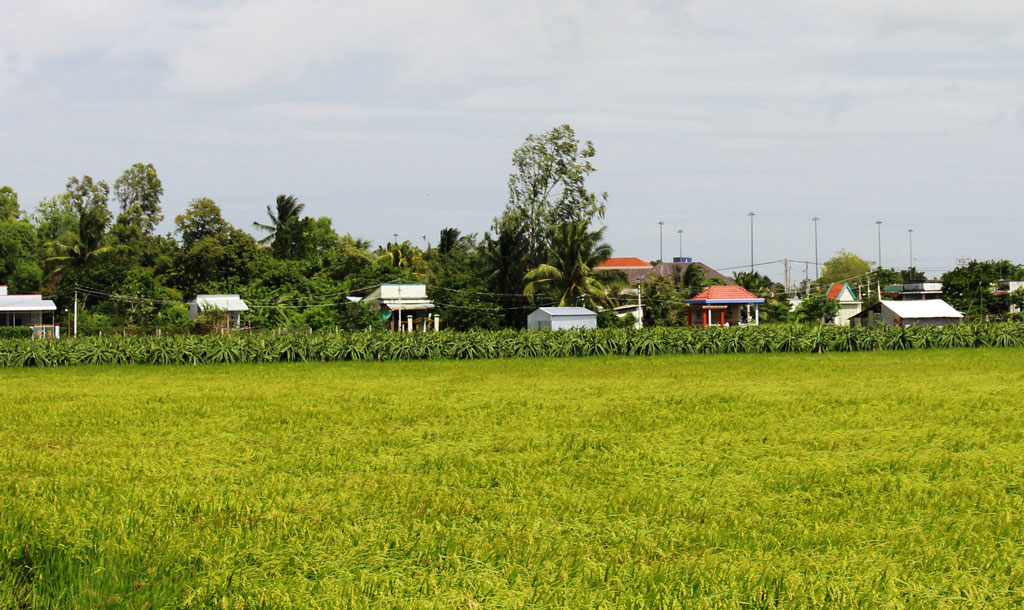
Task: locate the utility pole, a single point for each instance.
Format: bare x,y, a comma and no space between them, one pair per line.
74,330
640,305
785,274
910,236
879,223
816,275
400,329
751,214
661,241
680,231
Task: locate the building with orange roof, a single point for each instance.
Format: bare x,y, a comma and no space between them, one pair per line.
724,306
849,304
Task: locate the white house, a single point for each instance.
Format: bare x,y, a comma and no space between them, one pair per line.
405,306
849,304
561,318
908,313
29,310
231,304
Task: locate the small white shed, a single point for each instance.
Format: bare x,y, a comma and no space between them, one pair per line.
561,318
231,304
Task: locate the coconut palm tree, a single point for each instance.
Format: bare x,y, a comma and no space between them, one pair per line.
287,209
569,275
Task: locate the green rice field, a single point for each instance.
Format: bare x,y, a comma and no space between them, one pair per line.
836,480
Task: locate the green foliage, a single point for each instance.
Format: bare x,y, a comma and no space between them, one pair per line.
843,267
15,332
548,188
19,270
481,344
817,308
569,278
138,191
669,482
9,209
968,288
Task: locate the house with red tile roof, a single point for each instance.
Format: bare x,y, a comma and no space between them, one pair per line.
724,306
637,270
849,304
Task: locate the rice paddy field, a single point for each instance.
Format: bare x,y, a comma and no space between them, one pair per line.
836,480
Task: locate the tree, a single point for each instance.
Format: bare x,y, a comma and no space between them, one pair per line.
73,251
457,288
18,245
54,217
843,267
817,308
283,232
754,282
9,209
138,190
548,188
202,218
968,288
569,276
912,275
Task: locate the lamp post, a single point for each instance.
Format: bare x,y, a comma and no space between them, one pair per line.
879,224
661,241
910,236
680,232
816,219
751,214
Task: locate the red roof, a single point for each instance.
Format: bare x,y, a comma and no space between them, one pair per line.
834,291
624,262
726,293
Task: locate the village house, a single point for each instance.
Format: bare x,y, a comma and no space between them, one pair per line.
849,304
405,307
724,306
231,304
30,310
935,312
561,318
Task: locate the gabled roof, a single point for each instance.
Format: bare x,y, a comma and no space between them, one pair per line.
624,262
637,275
726,294
931,308
835,293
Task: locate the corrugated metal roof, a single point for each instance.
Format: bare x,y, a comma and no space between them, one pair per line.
26,302
931,308
567,311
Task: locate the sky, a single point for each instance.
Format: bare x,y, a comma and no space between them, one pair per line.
397,117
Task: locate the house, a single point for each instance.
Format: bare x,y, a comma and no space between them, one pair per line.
723,306
637,270
29,310
1007,288
908,313
405,306
913,291
849,304
231,304
561,318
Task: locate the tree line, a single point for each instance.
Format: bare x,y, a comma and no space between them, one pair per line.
296,271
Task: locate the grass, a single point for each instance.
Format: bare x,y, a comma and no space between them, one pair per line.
862,480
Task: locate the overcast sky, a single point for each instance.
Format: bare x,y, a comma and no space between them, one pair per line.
401,117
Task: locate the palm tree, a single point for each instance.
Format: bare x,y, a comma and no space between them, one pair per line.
75,249
569,275
288,208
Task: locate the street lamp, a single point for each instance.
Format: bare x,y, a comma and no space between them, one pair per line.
815,219
910,236
661,241
879,223
751,214
680,232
